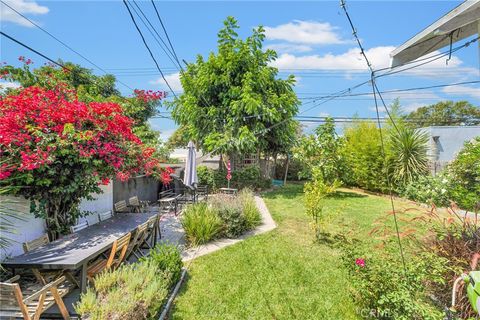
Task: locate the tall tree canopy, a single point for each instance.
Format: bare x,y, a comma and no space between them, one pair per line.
233,96
445,113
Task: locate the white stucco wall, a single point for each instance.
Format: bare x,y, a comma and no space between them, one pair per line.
450,140
31,227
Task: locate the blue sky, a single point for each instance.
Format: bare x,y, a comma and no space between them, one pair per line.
312,35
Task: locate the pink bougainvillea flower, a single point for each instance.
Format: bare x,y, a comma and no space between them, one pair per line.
360,262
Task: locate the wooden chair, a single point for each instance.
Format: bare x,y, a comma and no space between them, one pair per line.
105,215
45,276
38,300
115,259
139,237
79,226
135,204
153,231
121,206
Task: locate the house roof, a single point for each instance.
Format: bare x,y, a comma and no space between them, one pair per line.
460,23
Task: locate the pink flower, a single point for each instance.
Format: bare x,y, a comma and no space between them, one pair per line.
360,262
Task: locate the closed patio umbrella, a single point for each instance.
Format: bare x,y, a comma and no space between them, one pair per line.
190,177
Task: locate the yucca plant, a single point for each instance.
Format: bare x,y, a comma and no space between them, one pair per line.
408,154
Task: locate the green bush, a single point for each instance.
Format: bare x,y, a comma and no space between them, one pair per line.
249,177
429,190
135,291
362,151
249,208
167,257
381,287
229,210
201,224
464,174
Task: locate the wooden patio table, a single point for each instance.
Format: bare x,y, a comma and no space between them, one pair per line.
74,251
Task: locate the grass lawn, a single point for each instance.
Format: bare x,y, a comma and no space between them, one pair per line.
282,274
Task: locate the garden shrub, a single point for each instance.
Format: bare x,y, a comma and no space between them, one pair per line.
363,157
248,177
429,190
455,238
249,209
229,209
464,174
381,287
167,257
201,223
135,291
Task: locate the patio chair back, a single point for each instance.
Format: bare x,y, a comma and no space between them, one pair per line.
137,240
79,226
35,243
121,206
153,226
133,201
119,249
15,305
105,215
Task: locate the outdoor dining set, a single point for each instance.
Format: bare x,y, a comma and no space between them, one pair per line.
49,270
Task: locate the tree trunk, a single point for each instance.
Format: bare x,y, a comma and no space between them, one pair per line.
286,170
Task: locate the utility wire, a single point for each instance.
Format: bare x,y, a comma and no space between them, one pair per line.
375,90
166,34
63,43
150,27
148,48
33,50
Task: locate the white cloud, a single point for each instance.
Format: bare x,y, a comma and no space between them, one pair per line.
6,85
352,62
463,90
173,80
288,47
306,32
23,6
349,61
414,106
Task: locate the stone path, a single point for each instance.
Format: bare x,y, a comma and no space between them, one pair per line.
172,232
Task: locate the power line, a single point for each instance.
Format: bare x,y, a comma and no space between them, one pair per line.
407,89
375,89
162,45
62,43
166,33
33,50
148,48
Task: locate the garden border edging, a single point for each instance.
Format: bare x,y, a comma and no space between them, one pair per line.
267,224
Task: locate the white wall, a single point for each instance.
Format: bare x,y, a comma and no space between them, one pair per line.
31,227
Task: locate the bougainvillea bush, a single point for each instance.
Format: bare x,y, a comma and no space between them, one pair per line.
59,150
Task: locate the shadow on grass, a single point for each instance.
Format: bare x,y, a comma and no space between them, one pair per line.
347,194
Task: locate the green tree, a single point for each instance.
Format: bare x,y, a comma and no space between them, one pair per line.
231,97
363,157
445,113
321,150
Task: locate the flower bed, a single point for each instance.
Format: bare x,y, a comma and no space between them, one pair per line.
222,216
134,291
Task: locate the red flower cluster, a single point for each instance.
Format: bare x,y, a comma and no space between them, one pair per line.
149,95
166,175
26,61
39,126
